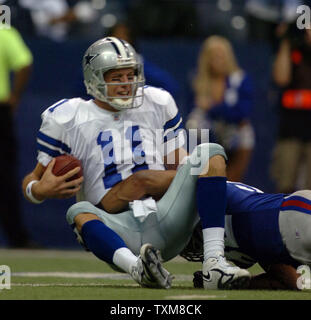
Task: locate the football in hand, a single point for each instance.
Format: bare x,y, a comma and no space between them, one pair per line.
64,164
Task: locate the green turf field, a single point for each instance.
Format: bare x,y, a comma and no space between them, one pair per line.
78,275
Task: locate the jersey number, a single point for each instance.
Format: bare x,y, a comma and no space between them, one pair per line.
105,140
245,187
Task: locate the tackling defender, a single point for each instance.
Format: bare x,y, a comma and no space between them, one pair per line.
124,173
271,229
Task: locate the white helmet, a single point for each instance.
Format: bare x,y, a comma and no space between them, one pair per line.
107,54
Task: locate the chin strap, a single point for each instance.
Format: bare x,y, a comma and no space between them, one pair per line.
122,104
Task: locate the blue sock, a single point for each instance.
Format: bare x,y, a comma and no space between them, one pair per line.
212,201
101,240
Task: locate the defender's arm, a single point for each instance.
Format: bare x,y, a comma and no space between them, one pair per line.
143,183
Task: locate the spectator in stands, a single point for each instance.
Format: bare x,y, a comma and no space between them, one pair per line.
14,57
268,18
155,18
223,103
291,72
51,19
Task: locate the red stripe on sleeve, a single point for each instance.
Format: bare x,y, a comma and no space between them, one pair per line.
296,203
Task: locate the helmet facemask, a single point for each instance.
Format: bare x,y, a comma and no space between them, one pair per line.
98,87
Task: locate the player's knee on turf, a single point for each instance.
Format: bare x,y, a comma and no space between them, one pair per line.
208,159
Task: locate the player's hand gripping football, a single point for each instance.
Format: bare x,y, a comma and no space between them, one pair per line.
52,186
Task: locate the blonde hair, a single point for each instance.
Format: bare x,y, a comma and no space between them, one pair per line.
203,76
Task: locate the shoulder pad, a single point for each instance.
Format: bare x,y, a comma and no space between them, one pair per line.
158,96
63,111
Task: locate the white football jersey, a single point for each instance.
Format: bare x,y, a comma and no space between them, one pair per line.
111,145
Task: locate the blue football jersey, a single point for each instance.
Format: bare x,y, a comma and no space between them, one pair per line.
252,227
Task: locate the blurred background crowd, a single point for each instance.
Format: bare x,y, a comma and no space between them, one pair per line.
240,68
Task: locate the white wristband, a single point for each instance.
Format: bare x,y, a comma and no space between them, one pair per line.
29,193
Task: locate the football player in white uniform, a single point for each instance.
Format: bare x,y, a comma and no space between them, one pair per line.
131,204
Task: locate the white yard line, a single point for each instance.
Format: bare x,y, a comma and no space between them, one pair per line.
194,297
54,253
47,253
85,275
102,285
69,285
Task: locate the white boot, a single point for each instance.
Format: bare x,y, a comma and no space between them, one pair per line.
219,274
149,271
